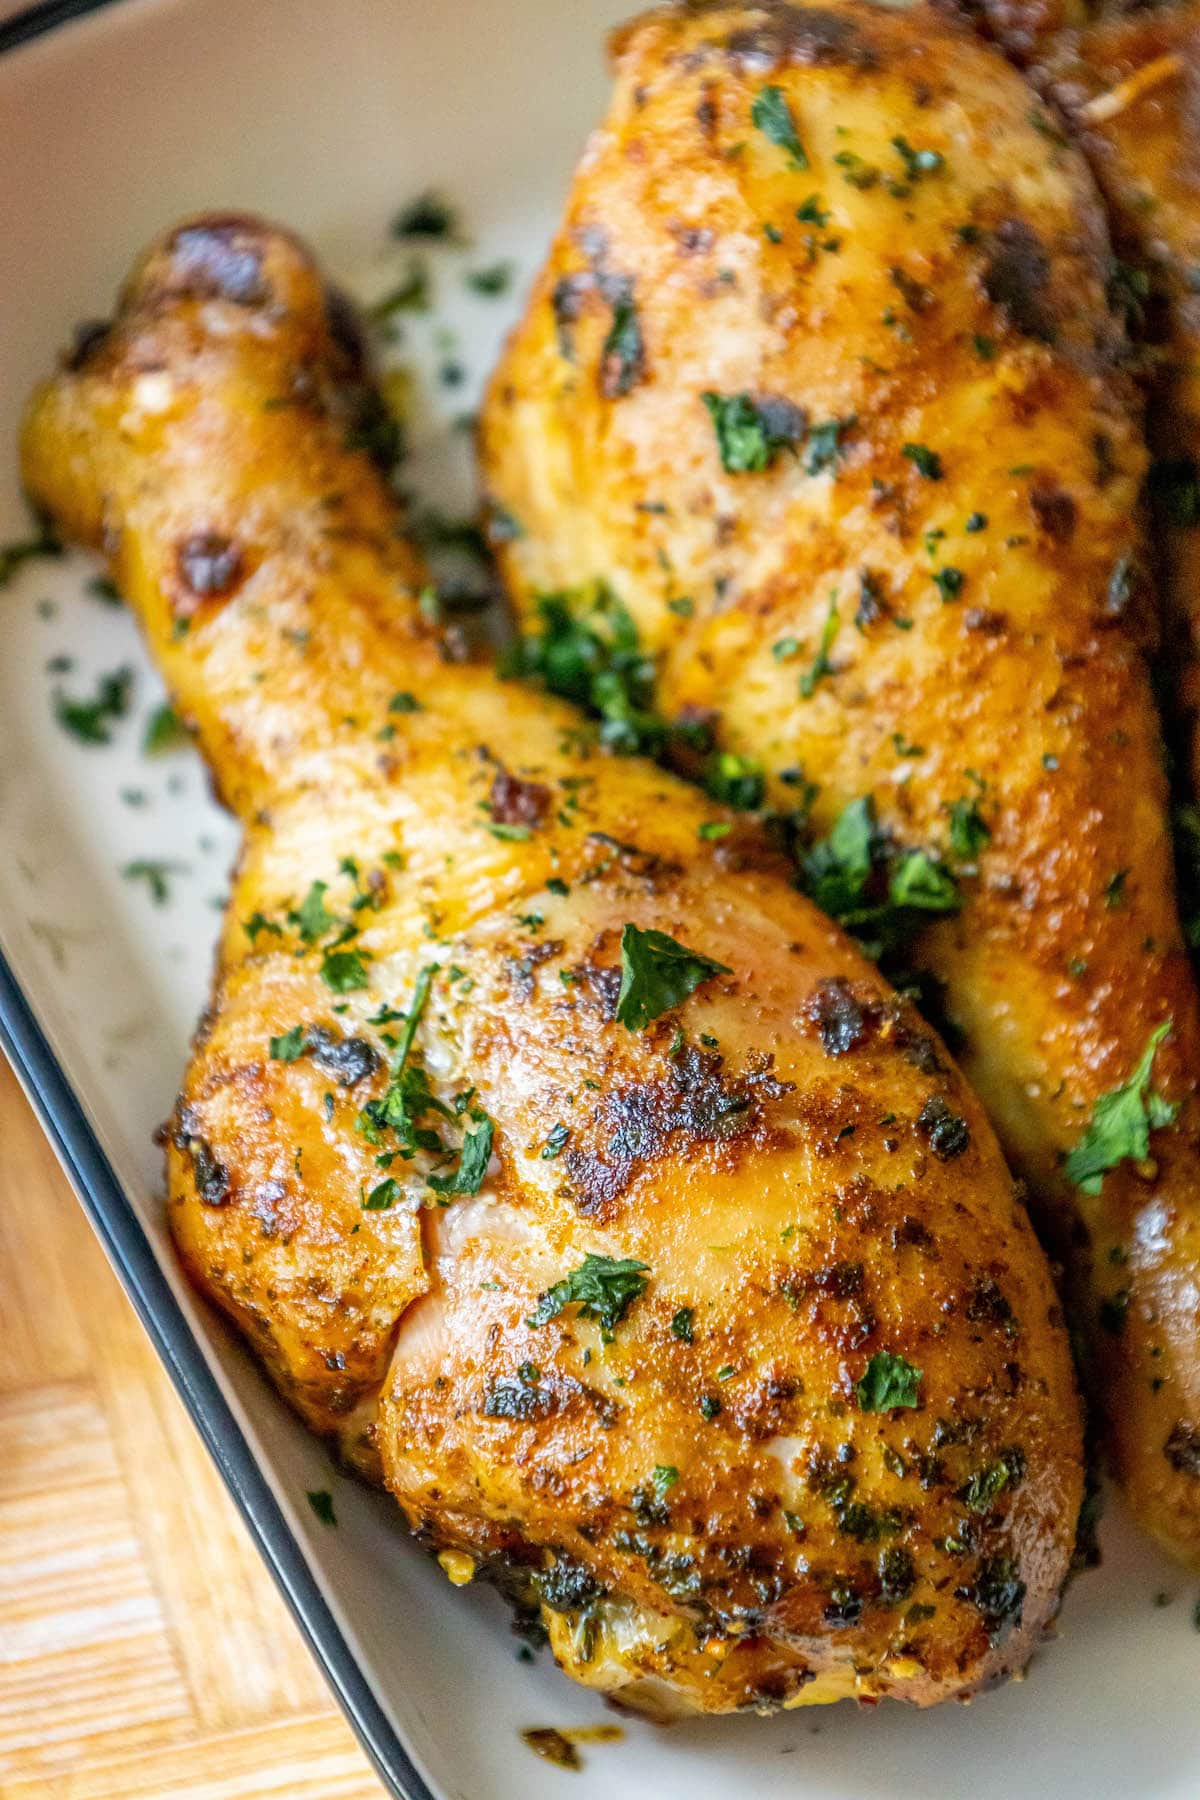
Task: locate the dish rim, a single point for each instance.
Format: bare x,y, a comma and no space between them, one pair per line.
112,1217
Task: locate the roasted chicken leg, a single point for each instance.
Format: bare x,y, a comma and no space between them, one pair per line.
556,1156
823,386
1128,86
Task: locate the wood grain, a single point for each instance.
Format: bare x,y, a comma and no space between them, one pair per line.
144,1652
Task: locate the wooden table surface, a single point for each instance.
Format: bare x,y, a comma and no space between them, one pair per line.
144,1652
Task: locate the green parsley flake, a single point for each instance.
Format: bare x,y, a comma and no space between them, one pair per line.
310,918
14,556
926,461
1121,1124
344,970
824,446
588,650
889,1381
657,973
290,1046
259,922
917,880
155,873
496,279
474,1155
409,295
821,663
321,1501
428,216
683,1325
917,162
750,434
90,720
381,1197
164,731
970,832
603,1287
556,1139
623,357
772,116
949,583
737,781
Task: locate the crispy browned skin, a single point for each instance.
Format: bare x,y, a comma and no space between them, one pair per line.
960,310
1128,86
1131,90
765,1149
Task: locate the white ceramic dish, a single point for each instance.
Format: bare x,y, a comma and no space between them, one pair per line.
114,119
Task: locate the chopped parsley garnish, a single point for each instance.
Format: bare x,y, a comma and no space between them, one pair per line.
409,1101
917,162
15,555
889,1381
603,1287
987,1484
710,1406
682,1325
587,650
556,1140
289,1046
310,918
164,731
258,922
404,703
657,973
949,583
1121,1124
824,446
409,295
495,279
343,970
773,117
926,461
880,892
918,881
381,1196
623,358
321,1501
750,433
736,781
1114,893
813,213
821,663
664,1478
970,832
474,1155
428,216
155,873
90,720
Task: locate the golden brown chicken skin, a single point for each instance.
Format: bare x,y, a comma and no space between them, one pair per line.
1130,89
1127,86
683,1269
822,382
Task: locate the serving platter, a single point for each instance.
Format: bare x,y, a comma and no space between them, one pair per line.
115,119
